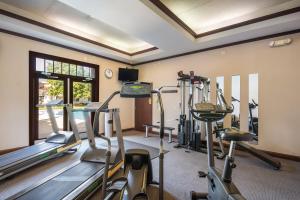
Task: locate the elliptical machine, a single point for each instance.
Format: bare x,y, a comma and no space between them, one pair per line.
220,185
137,162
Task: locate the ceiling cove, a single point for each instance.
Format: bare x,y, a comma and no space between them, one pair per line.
58,30
159,4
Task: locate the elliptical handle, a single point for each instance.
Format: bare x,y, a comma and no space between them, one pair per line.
162,114
256,104
229,109
99,110
161,149
169,91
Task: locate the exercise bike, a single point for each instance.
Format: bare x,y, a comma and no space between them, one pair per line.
220,185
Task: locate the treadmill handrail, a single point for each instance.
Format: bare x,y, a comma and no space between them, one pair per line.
28,157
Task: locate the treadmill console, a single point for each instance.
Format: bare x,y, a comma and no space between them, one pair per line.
136,90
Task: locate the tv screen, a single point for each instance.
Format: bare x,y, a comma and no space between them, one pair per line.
128,74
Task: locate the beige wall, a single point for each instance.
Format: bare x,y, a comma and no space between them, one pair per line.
14,81
279,97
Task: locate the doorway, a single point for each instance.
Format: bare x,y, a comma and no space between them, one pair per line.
56,78
143,113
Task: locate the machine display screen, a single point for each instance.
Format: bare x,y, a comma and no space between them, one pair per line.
136,90
136,87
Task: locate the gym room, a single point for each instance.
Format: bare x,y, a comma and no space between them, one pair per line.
149,99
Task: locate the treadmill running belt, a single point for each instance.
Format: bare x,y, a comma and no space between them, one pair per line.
64,183
26,152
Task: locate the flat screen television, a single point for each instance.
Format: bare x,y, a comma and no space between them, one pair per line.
129,75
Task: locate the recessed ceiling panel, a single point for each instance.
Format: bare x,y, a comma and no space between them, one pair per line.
79,23
117,29
208,15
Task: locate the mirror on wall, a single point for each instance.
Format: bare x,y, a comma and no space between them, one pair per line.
235,100
220,84
220,90
253,105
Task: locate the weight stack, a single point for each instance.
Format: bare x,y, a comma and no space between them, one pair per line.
181,130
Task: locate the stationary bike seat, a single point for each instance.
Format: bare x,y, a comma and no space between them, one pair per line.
233,134
205,107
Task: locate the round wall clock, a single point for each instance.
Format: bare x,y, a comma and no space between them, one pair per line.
108,73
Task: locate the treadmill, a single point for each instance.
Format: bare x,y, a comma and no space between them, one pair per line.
55,145
84,177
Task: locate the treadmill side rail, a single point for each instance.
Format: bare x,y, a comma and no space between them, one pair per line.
28,189
27,162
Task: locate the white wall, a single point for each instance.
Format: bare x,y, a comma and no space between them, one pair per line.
279,74
14,90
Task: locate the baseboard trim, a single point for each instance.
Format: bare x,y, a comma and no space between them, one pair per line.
271,153
128,129
5,151
284,156
123,130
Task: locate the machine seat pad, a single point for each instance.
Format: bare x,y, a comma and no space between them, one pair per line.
233,134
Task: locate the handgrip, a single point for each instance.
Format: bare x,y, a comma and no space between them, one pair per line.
162,114
169,91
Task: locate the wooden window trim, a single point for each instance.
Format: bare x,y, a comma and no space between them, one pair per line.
33,85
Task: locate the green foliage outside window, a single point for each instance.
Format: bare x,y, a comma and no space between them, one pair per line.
82,91
56,88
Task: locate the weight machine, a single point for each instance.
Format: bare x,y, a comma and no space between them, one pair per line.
191,132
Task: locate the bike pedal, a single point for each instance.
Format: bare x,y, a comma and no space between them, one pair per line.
202,174
220,156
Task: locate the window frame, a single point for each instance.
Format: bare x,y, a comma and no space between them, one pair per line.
33,84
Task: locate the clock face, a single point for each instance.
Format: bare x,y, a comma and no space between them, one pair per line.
108,73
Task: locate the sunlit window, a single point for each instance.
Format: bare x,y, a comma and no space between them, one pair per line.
56,67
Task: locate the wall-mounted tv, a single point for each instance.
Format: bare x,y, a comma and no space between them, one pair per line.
129,75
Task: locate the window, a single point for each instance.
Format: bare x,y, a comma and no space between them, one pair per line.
72,70
86,72
56,78
57,67
79,70
40,65
48,66
65,68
